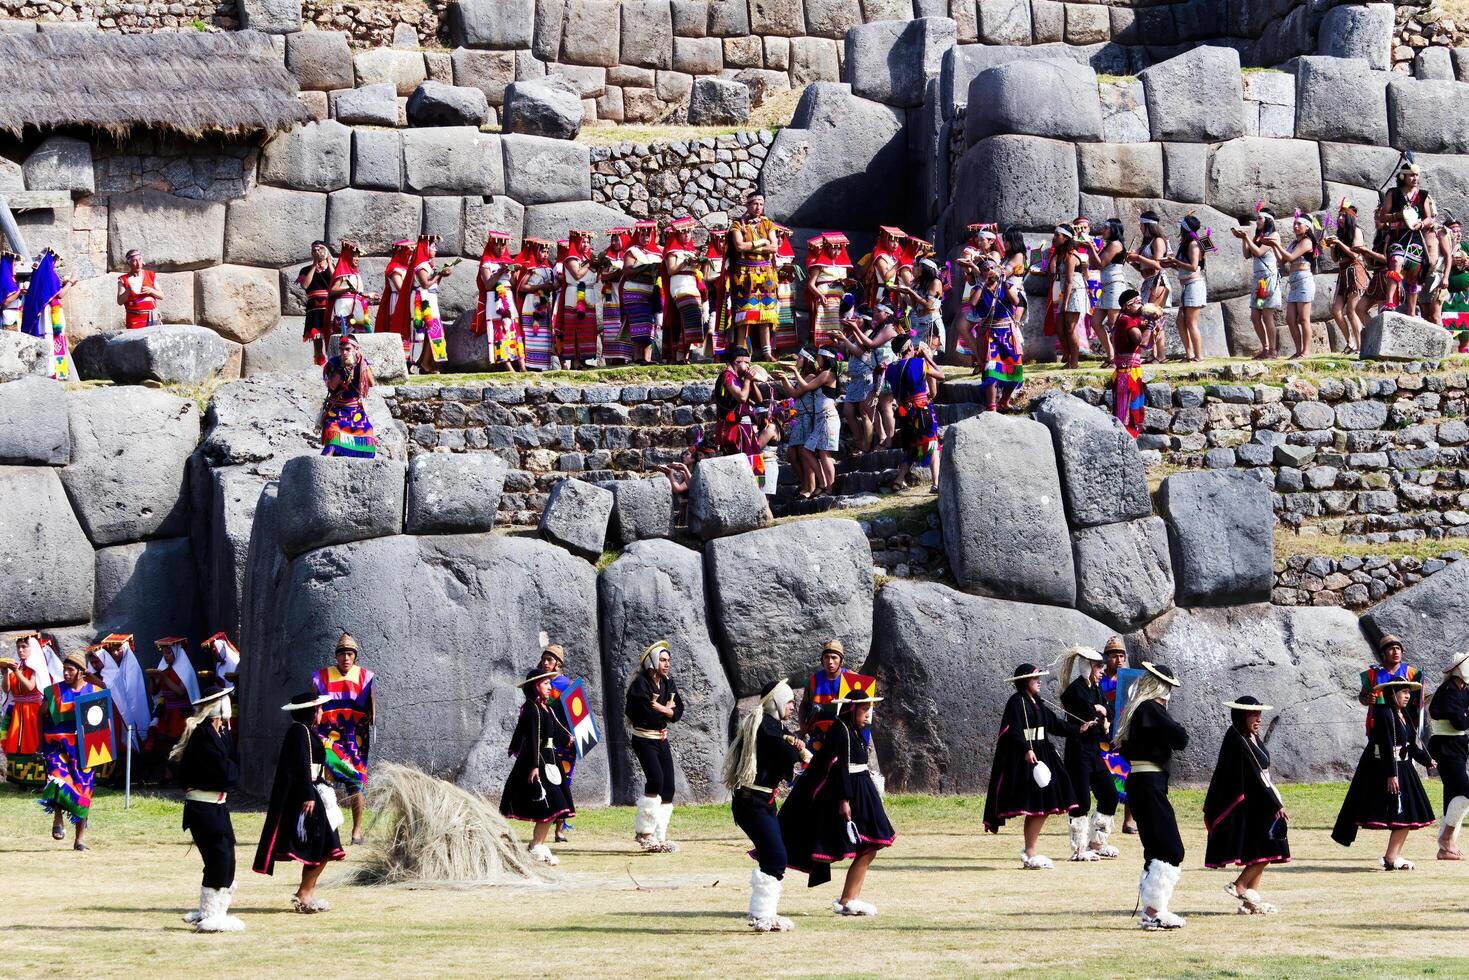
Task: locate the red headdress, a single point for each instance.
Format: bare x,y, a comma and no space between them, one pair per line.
617,241
563,249
346,260
718,242
528,257
652,245
420,252
784,249
837,242
680,234
815,246
893,251
579,243
497,247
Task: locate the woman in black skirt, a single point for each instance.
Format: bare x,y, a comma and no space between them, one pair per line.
653,703
1082,698
302,819
761,757
535,790
834,812
1243,812
206,763
1148,738
1386,793
1027,778
1448,716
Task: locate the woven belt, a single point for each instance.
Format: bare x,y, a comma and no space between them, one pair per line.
658,734
316,772
1141,766
1035,734
203,796
550,744
1440,727
758,789
852,767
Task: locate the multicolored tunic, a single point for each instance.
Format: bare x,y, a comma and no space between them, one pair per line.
68,785
640,293
578,316
754,289
345,719
1116,765
497,319
918,427
826,317
1003,366
735,428
20,731
1456,307
346,430
786,337
683,289
41,315
428,328
535,319
1130,397
615,347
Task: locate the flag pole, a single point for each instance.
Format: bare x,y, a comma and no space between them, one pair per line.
127,777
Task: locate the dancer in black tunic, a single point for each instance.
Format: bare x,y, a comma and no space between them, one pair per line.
206,763
1027,778
1243,812
536,789
761,757
1448,716
1148,738
653,703
302,819
1082,698
834,811
1386,793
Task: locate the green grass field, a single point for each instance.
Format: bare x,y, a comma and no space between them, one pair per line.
952,902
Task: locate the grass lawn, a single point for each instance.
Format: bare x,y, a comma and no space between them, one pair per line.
952,902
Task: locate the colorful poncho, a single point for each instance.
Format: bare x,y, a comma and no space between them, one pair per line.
68,786
344,721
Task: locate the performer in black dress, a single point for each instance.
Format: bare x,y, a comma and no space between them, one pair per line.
1386,793
1243,812
302,819
1027,778
1082,698
834,812
1448,716
206,762
536,789
653,702
761,757
1148,738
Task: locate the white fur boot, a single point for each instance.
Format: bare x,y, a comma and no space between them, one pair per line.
542,854
1156,891
1101,830
1076,828
665,814
765,904
1448,828
645,823
197,914
216,918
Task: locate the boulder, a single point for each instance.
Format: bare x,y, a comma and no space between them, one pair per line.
270,16
889,61
1123,574
700,55
172,355
1005,22
1340,100
1287,173
832,18
1002,102
23,356
724,498
147,589
60,163
550,221
834,164
320,60
373,219
452,160
1426,116
1129,169
313,157
1103,478
173,232
655,591
33,423
404,70
641,509
1427,617
576,517
377,159
1393,336
963,63
716,102
941,658
1359,31
1024,181
437,104
453,493
493,23
779,593
1196,97
327,500
239,302
374,104
1221,530
1001,504
130,448
273,226
548,106
46,563
539,170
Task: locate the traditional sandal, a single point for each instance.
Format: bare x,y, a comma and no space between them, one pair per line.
79,846
58,834
1446,854
1256,904
1398,864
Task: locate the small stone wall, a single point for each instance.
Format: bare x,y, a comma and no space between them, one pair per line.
683,177
127,17
1352,581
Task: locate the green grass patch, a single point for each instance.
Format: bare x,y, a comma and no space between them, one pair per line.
1328,545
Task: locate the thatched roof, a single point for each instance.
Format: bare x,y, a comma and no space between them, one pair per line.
189,82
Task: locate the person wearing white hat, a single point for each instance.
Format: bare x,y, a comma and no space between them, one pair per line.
536,789
206,762
302,817
1082,699
652,704
1386,793
1027,778
1148,737
1448,718
1243,812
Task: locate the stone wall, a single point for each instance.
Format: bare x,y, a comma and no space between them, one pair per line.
129,18
1355,582
693,177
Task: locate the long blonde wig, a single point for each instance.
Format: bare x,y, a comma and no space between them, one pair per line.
1148,688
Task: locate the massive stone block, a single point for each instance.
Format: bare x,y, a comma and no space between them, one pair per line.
1221,530
147,589
239,302
488,71
941,658
576,517
546,171
1427,617
173,232
1005,22
1123,573
723,498
452,160
60,163
781,592
438,104
1287,173
1362,31
549,106
655,591
641,509
1196,97
1125,169
550,221
1103,478
1002,100
453,493
377,159
46,564
173,354
273,226
34,429
832,18
271,16
1429,116
23,356
375,104
890,61
591,32
493,23
1340,100
373,219
1392,336
314,157
326,500
320,60
648,43
404,70
716,102
1023,181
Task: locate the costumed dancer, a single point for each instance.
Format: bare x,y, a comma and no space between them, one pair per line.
1300,261
1243,811
126,679
1189,262
834,812
824,437
25,679
641,268
926,320
824,689
349,300
716,277
207,762
1390,667
138,293
302,817
346,721
41,314
1082,699
1265,274
754,286
860,395
825,287
1404,218
536,789
1148,737
762,755
966,340
10,292
616,343
429,349
1351,276
1448,719
395,312
346,429
225,657
1114,658
1385,792
315,279
495,316
652,704
801,417
996,302
1069,266
882,271
175,689
1027,778
68,790
553,662
787,338
1133,335
735,399
1111,283
1456,304
917,425
534,284
683,316
576,314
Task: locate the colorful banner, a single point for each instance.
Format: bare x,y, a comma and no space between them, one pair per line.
578,712
94,729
